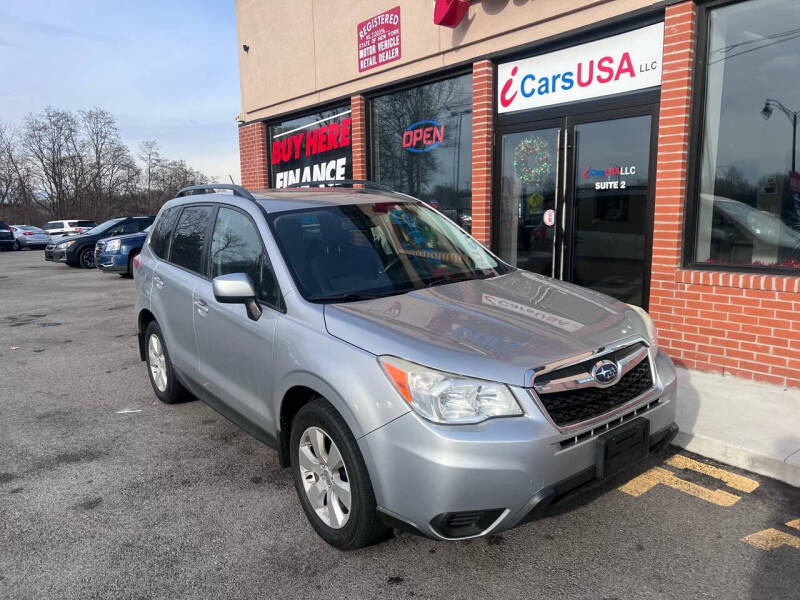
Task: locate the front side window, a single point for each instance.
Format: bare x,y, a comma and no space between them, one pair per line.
352,252
159,239
748,206
422,144
189,238
236,248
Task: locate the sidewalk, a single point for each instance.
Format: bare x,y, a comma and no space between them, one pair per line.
747,424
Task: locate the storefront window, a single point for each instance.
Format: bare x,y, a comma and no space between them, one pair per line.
748,210
422,144
312,149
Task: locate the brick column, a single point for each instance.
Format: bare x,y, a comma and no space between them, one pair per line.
671,161
482,90
359,136
253,155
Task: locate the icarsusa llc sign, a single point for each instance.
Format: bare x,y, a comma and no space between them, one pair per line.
621,63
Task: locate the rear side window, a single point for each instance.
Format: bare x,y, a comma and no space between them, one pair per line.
159,239
52,225
189,238
236,248
3,225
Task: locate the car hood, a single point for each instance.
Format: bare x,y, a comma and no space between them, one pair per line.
68,238
126,237
494,329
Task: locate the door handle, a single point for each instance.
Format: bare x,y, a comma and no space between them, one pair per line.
158,281
202,307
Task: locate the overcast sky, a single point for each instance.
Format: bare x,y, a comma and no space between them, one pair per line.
166,69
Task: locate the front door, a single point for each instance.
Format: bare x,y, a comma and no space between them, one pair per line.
575,199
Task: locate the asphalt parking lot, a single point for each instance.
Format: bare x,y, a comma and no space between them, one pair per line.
106,493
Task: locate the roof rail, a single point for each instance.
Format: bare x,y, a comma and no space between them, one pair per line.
364,183
210,187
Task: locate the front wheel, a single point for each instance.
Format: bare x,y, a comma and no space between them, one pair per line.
86,258
331,479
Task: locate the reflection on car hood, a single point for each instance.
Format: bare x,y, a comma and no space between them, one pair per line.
494,329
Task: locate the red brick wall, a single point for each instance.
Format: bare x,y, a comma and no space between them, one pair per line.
742,324
253,155
482,77
359,136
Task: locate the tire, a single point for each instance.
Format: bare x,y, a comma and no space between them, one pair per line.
359,525
17,246
130,265
169,390
86,257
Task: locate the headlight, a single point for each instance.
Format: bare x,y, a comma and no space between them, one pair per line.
649,325
448,398
112,246
66,244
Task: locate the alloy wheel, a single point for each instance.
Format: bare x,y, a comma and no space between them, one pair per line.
157,361
324,477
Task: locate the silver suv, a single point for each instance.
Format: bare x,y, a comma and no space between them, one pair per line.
408,377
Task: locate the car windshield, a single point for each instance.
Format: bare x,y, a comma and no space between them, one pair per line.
361,251
103,226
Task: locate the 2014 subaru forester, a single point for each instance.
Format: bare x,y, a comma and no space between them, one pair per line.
408,376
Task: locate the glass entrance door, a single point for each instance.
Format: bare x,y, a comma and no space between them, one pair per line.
528,188
611,208
575,200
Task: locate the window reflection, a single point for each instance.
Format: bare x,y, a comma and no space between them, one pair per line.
422,144
749,204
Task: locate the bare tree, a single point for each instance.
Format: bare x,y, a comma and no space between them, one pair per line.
61,164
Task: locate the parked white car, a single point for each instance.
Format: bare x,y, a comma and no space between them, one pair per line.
57,229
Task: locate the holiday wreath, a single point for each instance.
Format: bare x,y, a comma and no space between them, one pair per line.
532,160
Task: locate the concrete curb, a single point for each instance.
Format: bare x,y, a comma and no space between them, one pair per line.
741,457
743,423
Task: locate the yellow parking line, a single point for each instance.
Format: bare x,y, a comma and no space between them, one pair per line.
646,481
795,524
737,482
769,539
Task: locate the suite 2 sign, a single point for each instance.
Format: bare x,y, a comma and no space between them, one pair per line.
621,63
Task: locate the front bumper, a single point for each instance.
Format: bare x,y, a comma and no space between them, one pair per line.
111,263
509,468
55,254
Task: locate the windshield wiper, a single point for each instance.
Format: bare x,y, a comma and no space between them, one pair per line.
458,277
351,297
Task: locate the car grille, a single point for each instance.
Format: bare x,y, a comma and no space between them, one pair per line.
50,246
573,406
98,250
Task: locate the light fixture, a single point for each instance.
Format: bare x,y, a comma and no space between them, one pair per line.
766,112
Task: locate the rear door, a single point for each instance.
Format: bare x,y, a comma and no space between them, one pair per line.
174,283
235,351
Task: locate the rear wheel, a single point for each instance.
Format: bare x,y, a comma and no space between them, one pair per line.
331,479
17,245
159,367
86,258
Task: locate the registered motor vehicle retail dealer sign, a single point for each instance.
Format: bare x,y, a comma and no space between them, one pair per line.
622,63
379,40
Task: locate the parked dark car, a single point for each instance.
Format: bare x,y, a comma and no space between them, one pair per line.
115,254
78,250
6,237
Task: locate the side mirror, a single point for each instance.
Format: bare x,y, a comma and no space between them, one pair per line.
236,288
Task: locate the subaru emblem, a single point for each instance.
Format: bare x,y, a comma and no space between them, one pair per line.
605,372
